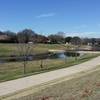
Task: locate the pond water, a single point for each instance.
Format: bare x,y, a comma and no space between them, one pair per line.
61,55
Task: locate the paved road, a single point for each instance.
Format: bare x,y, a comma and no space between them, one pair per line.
26,82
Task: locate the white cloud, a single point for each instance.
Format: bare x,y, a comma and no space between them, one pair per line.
45,15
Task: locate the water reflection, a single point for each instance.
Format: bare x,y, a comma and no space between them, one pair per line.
61,55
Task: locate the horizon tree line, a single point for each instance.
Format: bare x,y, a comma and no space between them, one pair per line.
58,38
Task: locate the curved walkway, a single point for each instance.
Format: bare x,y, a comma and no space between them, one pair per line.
26,82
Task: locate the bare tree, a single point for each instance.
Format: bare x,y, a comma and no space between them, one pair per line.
25,47
56,38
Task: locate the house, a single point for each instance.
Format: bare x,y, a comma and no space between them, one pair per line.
4,37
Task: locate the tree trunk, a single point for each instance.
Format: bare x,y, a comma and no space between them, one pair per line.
24,67
41,65
25,62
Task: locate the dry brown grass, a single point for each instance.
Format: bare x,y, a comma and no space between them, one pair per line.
86,87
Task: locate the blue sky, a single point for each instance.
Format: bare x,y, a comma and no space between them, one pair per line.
75,17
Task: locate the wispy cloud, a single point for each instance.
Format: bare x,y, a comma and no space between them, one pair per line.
80,26
45,15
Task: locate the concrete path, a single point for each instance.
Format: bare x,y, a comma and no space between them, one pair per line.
26,82
87,52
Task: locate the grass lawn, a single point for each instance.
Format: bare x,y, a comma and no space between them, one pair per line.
13,70
12,49
83,86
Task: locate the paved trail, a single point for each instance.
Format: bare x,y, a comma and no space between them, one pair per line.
26,82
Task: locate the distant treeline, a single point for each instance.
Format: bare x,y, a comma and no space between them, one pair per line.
28,35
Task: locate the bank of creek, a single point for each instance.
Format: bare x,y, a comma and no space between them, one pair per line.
48,55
